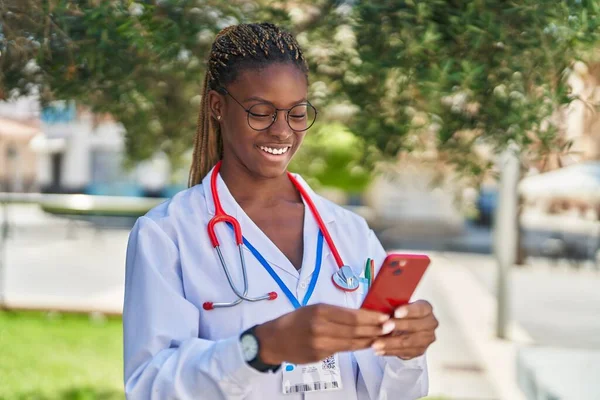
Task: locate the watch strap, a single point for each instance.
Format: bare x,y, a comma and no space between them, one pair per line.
257,363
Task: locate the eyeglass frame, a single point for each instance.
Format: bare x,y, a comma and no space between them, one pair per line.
275,114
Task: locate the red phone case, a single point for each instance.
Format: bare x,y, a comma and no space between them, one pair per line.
396,282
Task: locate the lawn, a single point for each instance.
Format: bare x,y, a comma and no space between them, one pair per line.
49,356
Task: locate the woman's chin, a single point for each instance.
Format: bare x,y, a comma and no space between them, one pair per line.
271,165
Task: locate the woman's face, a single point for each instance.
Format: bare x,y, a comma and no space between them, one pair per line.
268,152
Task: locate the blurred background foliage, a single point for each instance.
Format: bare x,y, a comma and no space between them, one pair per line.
433,78
333,156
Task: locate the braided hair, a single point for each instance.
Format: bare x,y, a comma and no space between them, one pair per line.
236,48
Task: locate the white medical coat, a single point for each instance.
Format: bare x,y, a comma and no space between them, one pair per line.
174,349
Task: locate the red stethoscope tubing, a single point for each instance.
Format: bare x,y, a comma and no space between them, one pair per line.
322,227
221,216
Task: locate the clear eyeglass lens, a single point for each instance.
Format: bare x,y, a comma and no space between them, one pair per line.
261,116
300,117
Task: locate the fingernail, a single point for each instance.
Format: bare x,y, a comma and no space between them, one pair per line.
400,312
388,327
378,346
383,318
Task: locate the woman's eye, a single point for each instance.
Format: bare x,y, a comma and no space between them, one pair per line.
261,111
254,115
298,116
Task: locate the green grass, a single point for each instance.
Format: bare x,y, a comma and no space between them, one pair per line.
57,356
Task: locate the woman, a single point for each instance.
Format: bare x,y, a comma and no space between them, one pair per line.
179,343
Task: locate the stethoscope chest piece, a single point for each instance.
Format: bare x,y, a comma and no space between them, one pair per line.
345,279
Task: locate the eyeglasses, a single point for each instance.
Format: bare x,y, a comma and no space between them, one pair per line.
262,116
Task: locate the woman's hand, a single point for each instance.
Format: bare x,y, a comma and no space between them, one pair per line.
413,332
313,333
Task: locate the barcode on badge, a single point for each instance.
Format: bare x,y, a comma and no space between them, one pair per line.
309,387
329,363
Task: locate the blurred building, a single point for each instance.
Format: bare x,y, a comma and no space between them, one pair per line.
77,150
579,124
412,209
64,148
582,118
17,159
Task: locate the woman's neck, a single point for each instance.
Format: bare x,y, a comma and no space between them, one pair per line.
245,187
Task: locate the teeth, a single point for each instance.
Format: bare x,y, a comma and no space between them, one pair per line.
274,151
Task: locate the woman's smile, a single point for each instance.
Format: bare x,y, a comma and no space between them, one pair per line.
275,153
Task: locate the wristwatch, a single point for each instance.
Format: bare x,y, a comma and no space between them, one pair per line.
251,352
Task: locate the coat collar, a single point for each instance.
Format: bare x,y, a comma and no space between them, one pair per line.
259,240
231,207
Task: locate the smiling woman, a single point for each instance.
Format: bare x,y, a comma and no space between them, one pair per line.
283,270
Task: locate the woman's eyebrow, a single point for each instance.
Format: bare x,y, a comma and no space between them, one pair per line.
257,98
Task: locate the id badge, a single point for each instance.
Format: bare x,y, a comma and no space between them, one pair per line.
320,376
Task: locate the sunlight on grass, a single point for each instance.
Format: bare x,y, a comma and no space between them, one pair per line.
55,356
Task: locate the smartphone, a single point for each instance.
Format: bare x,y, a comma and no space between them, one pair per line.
396,282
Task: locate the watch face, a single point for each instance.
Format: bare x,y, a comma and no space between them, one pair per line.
249,347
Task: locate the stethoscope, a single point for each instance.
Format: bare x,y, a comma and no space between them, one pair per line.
344,278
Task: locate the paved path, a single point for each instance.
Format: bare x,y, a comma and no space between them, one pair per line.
455,370
558,307
55,264
556,304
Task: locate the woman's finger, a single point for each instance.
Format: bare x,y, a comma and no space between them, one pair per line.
390,344
428,323
335,330
351,317
418,309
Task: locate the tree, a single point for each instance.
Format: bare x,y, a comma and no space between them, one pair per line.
463,73
468,71
332,156
405,76
141,62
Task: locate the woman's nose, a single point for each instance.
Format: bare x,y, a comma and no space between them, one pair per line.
280,128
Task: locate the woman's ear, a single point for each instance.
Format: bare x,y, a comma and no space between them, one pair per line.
215,104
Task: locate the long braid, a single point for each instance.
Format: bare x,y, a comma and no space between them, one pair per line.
199,155
236,48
